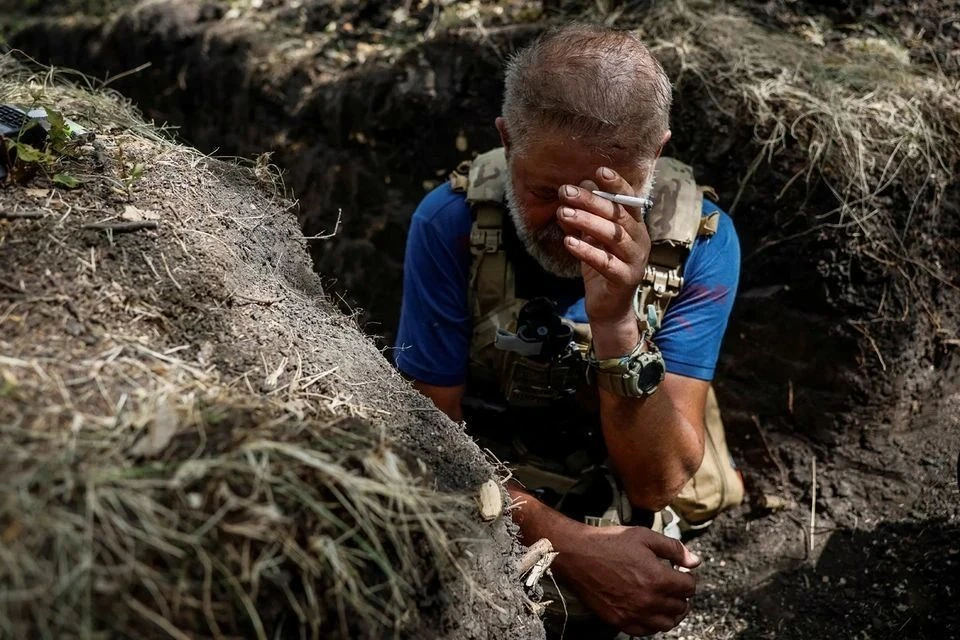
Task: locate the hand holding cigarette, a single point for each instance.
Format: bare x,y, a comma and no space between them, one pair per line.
611,243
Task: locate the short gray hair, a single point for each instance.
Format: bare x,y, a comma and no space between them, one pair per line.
599,83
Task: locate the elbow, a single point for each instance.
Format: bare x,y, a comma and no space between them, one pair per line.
690,462
651,498
656,495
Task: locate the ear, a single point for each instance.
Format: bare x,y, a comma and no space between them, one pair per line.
663,143
504,134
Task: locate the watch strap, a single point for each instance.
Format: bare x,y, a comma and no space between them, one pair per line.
622,375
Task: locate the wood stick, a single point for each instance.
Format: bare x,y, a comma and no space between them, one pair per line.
121,227
537,550
540,568
813,499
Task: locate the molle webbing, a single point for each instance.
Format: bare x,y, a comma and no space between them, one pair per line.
491,276
674,222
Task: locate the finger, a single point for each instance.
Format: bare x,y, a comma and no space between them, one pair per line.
608,233
677,619
672,550
581,198
675,608
661,623
610,266
612,182
638,631
677,584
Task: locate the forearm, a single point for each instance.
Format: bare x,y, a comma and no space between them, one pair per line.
654,448
536,520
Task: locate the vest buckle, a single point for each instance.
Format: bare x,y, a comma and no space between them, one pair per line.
485,240
663,282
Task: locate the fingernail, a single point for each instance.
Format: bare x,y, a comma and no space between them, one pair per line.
572,241
567,212
607,173
695,557
571,190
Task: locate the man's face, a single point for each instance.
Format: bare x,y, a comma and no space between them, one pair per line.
537,173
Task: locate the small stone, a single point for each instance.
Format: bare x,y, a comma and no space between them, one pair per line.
491,501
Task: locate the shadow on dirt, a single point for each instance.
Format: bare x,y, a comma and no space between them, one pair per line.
900,580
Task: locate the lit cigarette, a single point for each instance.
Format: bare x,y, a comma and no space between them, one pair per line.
627,201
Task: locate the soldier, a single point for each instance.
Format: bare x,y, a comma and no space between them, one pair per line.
578,336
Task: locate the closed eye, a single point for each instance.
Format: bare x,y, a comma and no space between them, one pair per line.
544,193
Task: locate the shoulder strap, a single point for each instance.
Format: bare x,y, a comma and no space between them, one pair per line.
483,180
488,177
674,221
491,276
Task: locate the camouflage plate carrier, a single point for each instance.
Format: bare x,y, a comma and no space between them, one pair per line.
674,222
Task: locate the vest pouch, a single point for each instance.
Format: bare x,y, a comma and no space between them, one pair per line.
486,361
527,383
717,485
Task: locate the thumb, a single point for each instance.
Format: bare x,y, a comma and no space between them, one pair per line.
673,550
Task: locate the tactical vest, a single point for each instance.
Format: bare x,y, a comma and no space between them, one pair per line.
674,222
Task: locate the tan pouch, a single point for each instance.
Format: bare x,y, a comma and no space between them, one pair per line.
716,486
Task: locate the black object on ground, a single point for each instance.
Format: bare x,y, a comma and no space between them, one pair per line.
16,124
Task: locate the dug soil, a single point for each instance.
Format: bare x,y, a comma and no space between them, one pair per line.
840,374
196,442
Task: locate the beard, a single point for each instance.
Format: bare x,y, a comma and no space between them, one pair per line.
544,244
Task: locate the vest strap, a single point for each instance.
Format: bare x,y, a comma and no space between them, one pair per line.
486,235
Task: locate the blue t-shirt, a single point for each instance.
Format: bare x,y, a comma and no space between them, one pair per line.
433,341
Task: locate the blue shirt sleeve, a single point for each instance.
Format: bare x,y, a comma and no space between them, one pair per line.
695,322
433,340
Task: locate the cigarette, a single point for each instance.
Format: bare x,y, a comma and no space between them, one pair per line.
627,201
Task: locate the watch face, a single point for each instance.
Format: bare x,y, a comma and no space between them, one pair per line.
650,376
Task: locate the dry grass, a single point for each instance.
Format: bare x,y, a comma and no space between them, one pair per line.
161,477
884,136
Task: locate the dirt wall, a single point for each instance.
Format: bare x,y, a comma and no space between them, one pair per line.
196,441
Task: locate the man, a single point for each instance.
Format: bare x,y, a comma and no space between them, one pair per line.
585,109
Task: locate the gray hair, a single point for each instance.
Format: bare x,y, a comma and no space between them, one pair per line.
600,84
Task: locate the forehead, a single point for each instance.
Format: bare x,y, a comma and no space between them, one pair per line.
565,159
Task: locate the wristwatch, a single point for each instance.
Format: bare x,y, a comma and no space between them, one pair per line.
635,375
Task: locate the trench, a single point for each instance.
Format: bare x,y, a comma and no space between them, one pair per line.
360,148
364,147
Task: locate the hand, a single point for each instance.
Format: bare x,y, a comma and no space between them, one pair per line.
612,245
621,575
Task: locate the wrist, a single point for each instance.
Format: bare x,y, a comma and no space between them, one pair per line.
615,339
577,552
574,544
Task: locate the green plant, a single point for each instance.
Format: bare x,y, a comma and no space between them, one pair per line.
26,159
130,172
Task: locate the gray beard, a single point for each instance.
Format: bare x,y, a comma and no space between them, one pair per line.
545,244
